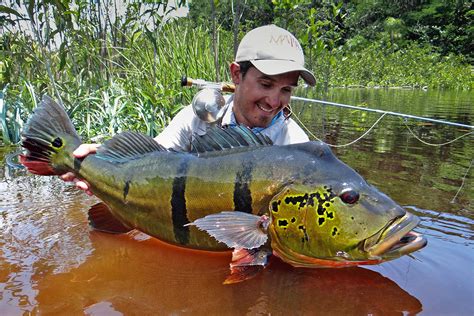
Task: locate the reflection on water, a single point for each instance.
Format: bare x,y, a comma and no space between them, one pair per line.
42,230
51,262
167,282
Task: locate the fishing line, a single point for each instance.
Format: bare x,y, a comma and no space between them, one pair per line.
373,125
343,145
462,183
432,144
420,118
407,272
411,132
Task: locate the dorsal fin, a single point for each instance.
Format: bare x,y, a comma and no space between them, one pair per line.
128,145
218,138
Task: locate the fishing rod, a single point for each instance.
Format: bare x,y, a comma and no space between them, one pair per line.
421,118
229,87
202,84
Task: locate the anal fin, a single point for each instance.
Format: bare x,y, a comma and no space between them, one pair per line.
101,218
247,263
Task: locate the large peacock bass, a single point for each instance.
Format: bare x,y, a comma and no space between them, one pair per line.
298,202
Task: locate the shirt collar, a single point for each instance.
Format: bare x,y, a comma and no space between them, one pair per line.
229,118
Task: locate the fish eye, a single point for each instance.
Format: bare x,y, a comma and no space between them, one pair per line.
349,196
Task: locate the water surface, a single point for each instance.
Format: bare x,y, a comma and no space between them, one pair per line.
51,262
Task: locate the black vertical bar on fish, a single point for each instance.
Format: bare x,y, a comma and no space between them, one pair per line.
77,164
126,189
178,205
242,194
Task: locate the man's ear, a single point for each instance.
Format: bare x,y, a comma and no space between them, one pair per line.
235,72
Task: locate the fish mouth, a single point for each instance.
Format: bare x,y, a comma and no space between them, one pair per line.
395,239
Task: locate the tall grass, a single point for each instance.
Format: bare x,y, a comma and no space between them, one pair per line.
133,87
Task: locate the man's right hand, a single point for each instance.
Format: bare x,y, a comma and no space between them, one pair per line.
82,151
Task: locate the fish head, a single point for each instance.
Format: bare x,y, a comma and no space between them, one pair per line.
339,220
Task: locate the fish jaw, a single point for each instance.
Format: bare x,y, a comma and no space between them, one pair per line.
393,241
296,259
302,261
396,239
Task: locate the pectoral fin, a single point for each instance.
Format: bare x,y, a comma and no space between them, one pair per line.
247,234
235,229
246,264
101,218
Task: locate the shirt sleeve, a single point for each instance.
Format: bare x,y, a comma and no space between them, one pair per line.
296,133
177,135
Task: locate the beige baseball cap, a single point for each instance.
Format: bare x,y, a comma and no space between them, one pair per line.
273,51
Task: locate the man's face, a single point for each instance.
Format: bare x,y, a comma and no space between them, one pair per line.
259,97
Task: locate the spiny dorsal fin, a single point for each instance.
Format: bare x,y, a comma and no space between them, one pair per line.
128,145
218,138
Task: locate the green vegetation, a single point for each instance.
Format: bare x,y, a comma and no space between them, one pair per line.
118,76
117,64
411,66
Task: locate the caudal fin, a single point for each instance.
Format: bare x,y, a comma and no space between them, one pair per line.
49,138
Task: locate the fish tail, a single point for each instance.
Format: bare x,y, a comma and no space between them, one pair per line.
49,139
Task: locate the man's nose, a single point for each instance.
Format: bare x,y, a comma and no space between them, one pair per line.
273,99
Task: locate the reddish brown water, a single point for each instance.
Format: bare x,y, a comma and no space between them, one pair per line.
52,263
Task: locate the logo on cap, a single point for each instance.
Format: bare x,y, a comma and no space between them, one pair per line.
282,39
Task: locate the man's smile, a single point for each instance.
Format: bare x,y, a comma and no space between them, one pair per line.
267,110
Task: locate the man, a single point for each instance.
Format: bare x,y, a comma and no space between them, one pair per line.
267,66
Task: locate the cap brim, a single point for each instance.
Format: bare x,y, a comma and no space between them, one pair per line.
277,67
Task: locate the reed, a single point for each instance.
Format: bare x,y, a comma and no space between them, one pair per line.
14,112
133,86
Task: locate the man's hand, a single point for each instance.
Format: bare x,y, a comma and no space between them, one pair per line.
82,151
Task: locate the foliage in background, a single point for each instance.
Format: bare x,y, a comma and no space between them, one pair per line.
117,64
253,13
371,43
119,73
319,27
411,67
444,24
